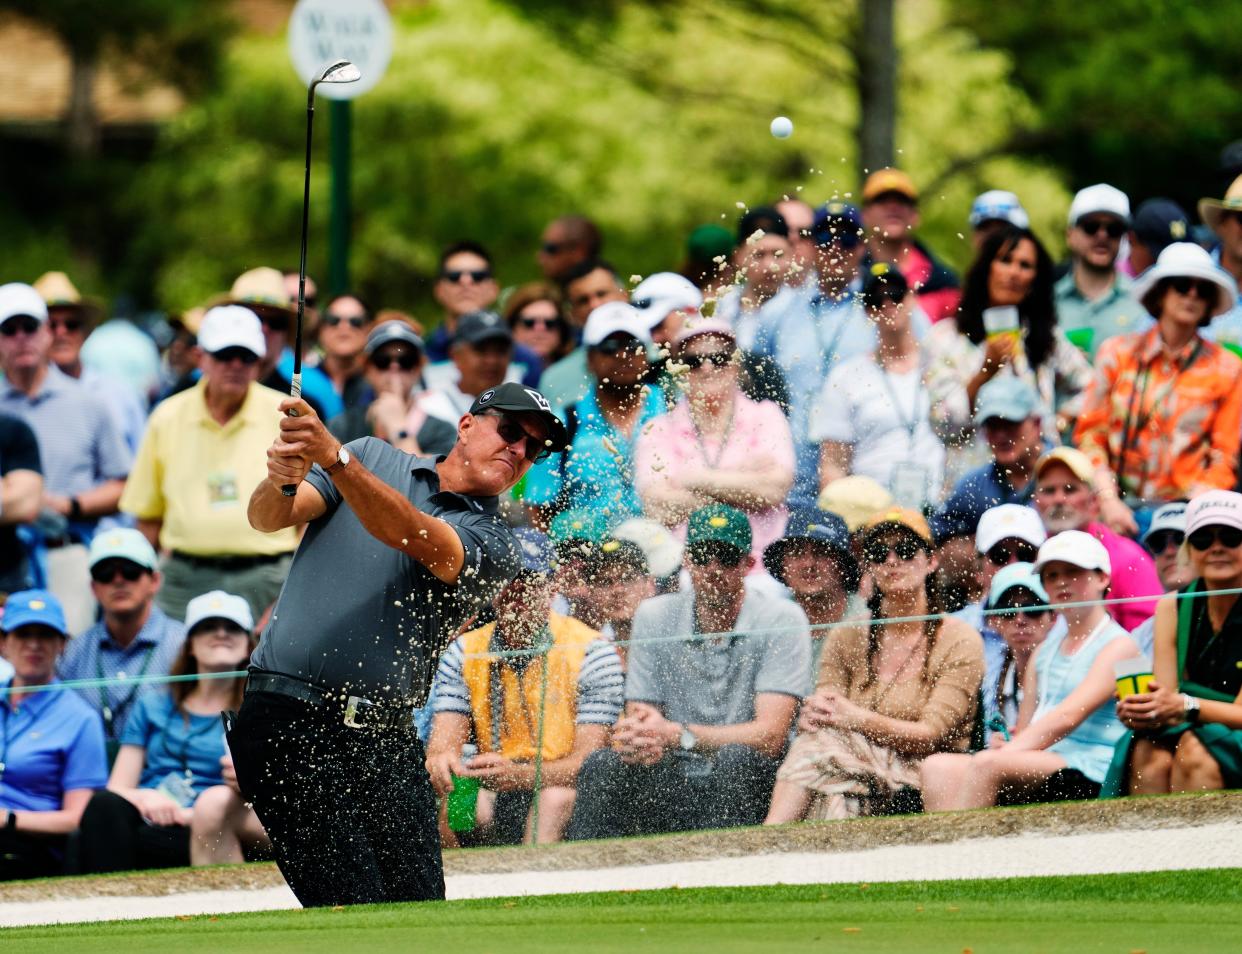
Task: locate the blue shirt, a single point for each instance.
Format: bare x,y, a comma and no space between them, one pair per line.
978,491
994,650
186,745
592,473
315,384
53,743
96,655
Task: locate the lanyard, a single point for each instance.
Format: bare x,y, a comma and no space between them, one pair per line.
1140,392
912,424
182,757
543,643
109,714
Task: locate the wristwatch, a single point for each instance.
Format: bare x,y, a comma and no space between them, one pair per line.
1190,708
342,460
688,741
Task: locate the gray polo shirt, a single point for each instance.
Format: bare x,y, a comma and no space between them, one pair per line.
714,681
364,619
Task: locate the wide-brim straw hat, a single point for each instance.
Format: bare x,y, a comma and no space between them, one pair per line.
1212,210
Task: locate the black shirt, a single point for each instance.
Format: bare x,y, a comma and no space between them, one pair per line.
19,450
1214,660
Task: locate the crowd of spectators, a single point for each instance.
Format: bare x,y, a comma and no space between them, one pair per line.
836,534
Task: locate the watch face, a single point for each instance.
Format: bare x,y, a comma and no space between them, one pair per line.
687,739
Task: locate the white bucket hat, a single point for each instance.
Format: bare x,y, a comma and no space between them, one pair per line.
1186,260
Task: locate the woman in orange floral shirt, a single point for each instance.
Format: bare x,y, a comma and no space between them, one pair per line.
1164,421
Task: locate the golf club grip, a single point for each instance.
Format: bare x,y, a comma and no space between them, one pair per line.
295,391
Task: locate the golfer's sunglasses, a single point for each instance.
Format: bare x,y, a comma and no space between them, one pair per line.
510,431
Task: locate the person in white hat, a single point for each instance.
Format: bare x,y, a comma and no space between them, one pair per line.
1162,421
666,300
203,451
1187,728
993,209
1093,299
1067,726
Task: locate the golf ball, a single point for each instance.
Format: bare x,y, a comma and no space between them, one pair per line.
782,127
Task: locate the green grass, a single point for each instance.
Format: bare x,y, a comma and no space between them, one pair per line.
1182,912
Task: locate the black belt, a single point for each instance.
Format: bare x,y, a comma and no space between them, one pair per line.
354,711
228,562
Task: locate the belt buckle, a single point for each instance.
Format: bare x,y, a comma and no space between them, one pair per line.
356,706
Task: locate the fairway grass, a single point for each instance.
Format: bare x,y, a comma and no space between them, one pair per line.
1183,912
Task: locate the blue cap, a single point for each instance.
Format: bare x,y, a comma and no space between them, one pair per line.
1016,574
821,526
535,550
1008,397
838,222
34,606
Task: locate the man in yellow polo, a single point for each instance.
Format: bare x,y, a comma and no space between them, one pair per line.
203,450
504,681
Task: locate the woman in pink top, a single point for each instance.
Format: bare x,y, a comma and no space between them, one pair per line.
716,445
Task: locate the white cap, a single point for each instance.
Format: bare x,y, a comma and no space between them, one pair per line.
708,326
662,549
17,298
997,205
218,605
1009,521
1099,198
1172,516
612,317
1077,548
664,292
231,326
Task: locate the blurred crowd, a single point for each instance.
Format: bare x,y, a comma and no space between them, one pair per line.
839,532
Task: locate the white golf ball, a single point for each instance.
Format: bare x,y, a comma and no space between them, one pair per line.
782,127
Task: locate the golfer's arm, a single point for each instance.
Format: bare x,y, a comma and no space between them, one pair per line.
270,510
390,517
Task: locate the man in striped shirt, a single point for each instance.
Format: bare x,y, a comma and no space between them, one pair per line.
501,684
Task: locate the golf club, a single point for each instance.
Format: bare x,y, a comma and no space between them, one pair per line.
341,71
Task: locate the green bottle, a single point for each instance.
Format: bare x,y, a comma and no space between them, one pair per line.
464,797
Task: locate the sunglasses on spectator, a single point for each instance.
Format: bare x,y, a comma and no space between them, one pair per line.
276,322
229,355
71,325
1031,611
23,324
619,345
877,551
355,321
538,321
455,275
1204,537
105,571
1114,229
510,431
1003,555
405,360
212,626
715,551
717,359
1200,286
1161,540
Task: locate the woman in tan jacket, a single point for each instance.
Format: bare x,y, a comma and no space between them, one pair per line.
889,693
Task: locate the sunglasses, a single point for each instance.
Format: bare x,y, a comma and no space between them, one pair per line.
612,347
511,432
23,324
229,355
877,551
1031,611
1114,229
1204,537
278,322
71,325
531,323
211,627
1200,286
105,571
1002,555
1161,540
477,275
355,321
714,551
717,359
405,361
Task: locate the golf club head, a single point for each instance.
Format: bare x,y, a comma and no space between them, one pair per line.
341,71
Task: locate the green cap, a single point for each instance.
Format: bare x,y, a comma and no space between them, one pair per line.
707,242
720,523
579,524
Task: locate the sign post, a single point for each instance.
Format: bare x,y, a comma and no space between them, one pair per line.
321,31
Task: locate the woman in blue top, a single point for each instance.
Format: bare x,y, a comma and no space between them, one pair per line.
51,742
1067,726
171,749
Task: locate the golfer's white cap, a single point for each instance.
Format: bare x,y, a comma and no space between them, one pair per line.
218,605
231,326
1009,521
1077,548
18,298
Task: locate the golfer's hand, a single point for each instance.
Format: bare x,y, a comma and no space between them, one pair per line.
284,465
442,766
306,435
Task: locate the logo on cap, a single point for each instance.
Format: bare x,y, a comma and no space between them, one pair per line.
611,545
486,396
539,399
718,522
37,604
1177,229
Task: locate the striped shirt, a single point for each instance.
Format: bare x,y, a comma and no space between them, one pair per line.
601,684
80,444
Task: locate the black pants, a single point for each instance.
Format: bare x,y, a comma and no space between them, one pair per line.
30,856
731,788
350,812
113,836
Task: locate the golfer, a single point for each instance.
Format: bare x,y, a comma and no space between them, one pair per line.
399,553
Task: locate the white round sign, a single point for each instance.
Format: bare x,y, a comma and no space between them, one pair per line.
321,31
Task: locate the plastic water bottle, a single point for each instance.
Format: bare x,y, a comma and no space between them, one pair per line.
464,797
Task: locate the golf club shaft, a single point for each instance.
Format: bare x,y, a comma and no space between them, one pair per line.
295,387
